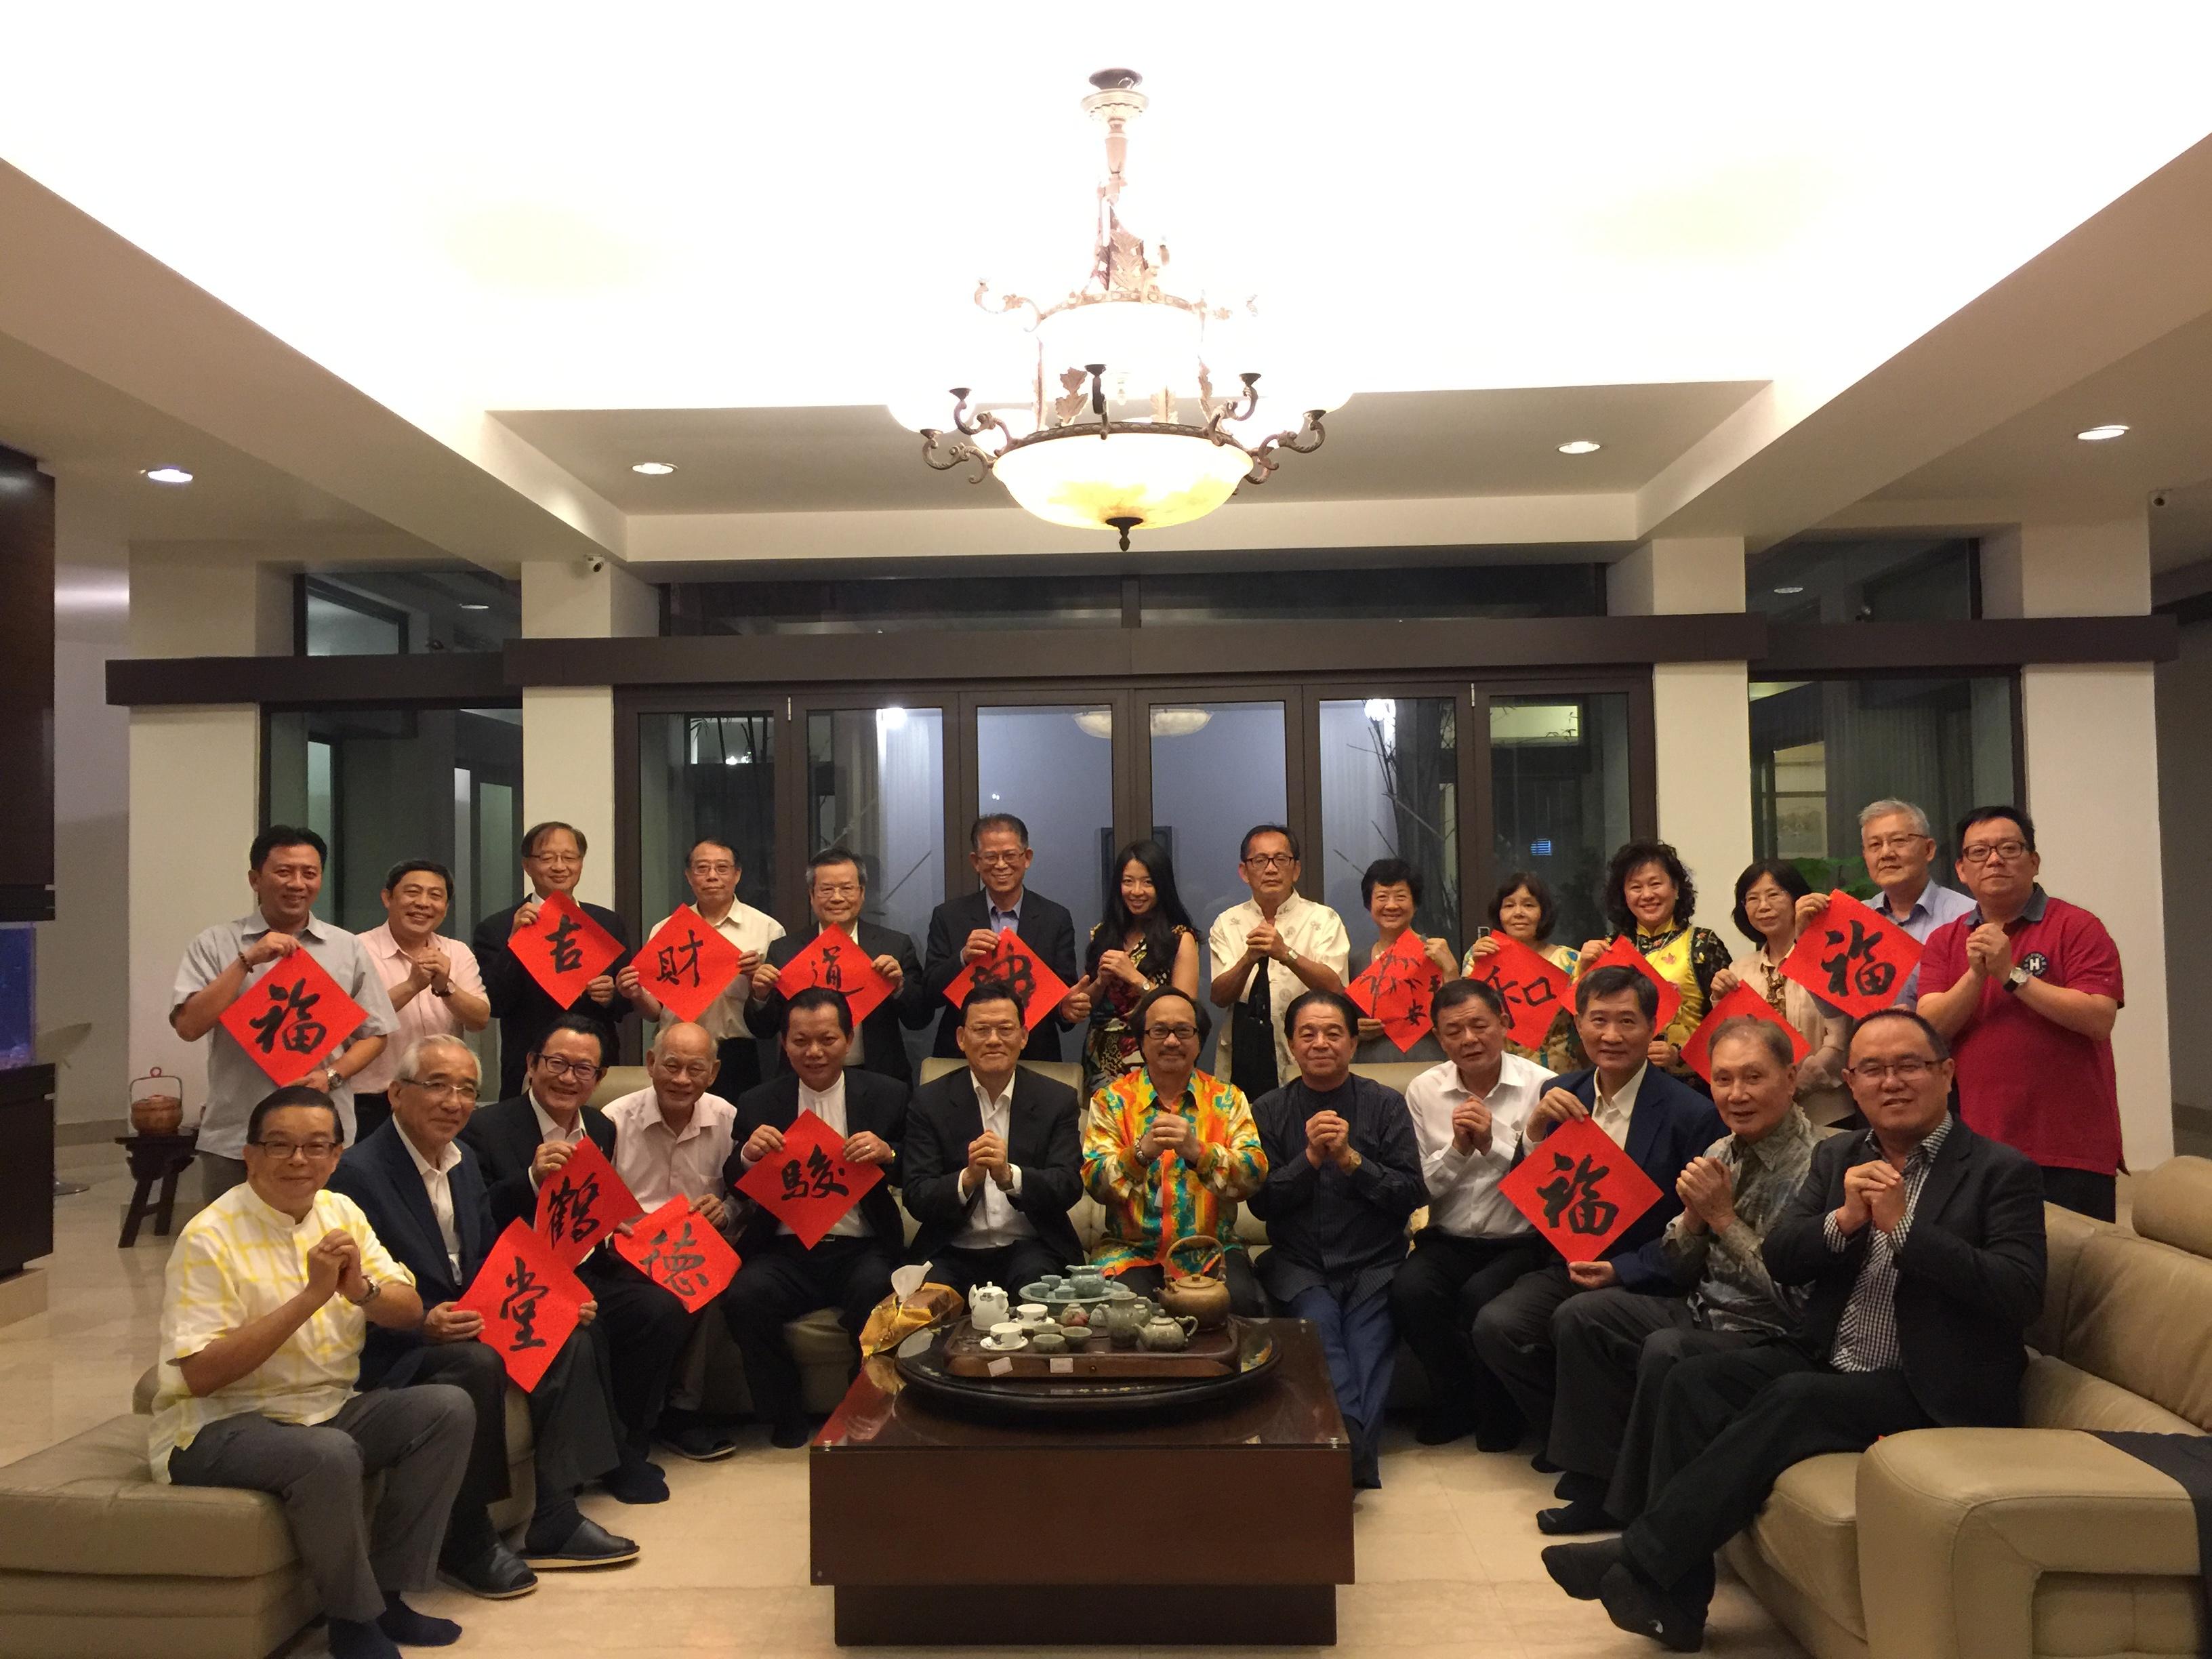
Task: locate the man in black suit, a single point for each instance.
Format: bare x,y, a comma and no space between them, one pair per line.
849,1268
553,859
523,1140
1660,1123
423,1194
966,927
993,1159
837,888
1922,1245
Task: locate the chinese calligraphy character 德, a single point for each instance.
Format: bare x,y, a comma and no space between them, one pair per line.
677,1262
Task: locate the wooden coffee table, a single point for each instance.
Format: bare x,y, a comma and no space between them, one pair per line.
1228,1525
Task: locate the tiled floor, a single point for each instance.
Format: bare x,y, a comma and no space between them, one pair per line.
1447,1550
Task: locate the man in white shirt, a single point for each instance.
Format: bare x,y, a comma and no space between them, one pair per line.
712,872
1267,953
1467,1115
1898,847
432,980
850,1267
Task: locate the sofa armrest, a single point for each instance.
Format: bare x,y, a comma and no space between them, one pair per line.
1956,1525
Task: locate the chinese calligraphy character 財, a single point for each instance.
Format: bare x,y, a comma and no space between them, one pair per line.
1572,1192
568,955
1857,966
305,1035
524,1293
673,961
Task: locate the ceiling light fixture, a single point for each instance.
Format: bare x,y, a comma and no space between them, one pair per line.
1580,447
2097,435
1134,394
653,469
167,475
466,605
1793,589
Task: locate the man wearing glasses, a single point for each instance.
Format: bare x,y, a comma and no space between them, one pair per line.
521,1142
1267,953
836,892
966,927
1899,845
2026,989
712,872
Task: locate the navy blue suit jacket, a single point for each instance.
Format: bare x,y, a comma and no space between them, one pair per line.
1671,1124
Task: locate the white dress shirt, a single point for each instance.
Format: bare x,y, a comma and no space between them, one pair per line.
437,1184
1464,1196
746,929
549,1130
1612,1111
656,1162
995,1222
1309,930
830,1109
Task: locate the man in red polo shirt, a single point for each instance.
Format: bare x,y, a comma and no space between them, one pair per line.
2026,987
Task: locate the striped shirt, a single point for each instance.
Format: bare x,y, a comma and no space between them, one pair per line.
1150,1206
235,1262
1866,1335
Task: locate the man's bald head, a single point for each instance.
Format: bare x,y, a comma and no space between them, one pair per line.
682,1064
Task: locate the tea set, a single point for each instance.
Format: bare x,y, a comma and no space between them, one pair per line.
1125,1319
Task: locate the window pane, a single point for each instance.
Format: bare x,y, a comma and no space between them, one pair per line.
1409,594
1908,579
1820,749
1053,768
699,775
1558,771
1389,788
893,604
381,613
876,785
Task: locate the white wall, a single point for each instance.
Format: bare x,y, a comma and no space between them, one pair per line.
569,773
2184,800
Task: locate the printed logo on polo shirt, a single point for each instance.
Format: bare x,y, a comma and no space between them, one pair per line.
2035,962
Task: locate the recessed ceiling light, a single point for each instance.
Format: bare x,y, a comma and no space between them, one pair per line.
465,605
167,475
2097,435
1796,589
653,469
1580,447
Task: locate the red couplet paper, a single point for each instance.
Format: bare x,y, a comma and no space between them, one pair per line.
1742,1003
581,1203
564,949
1623,953
1532,988
807,1186
529,1301
1396,988
292,1016
676,1248
1852,957
1579,1190
1036,988
686,964
836,961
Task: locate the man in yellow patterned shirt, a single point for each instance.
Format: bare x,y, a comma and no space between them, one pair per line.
268,1297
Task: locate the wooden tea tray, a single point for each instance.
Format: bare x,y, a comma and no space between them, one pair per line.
1210,1353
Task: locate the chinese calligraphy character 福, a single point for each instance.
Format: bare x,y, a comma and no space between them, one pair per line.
1572,1192
1858,965
305,1035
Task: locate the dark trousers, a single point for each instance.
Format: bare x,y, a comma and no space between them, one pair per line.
1361,1345
1246,1298
1513,1337
2082,1191
1630,1493
1009,1267
1728,1425
1437,1293
371,1112
646,1328
1597,1338
782,1280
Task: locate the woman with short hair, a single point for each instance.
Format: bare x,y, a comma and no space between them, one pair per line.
1766,895
1649,899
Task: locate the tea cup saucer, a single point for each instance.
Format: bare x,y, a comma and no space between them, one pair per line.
992,1345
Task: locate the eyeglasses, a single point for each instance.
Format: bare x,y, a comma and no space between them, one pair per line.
994,859
1905,1071
285,1151
438,1090
1177,1033
554,1066
988,1033
1984,852
1272,861
1891,843
842,890
725,868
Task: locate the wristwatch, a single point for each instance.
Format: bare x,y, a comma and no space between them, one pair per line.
2018,978
375,1287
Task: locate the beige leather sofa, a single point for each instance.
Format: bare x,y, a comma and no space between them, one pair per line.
2002,1543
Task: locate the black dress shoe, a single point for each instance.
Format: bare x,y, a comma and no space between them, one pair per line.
589,1544
497,1575
1544,1465
1442,1428
1578,1569
700,1441
1634,1603
636,1483
788,1436
1581,1515
1497,1440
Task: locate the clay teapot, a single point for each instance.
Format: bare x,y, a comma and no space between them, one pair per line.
158,1108
1122,1319
1166,1335
1200,1291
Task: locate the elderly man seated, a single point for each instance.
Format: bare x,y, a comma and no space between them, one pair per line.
1615,1347
1344,1176
269,1294
1168,1152
423,1193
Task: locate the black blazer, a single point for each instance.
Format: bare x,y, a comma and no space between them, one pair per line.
1969,1278
882,1042
1043,1140
505,1139
518,1002
1670,1124
874,1103
380,1175
1046,929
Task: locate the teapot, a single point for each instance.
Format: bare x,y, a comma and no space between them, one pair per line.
1166,1333
1200,1292
986,1306
1122,1319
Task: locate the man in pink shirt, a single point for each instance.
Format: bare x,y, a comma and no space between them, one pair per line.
434,987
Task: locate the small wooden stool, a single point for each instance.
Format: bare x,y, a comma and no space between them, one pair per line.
153,1157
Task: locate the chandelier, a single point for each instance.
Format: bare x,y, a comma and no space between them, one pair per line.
1126,424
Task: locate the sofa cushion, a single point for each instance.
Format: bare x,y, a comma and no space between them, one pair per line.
2084,1613
91,1505
2066,1232
1807,1529
2140,1316
2057,1395
2172,1204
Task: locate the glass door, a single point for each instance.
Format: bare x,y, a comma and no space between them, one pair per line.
1562,793
875,784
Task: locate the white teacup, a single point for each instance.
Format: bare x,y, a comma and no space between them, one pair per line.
1006,1333
1033,1313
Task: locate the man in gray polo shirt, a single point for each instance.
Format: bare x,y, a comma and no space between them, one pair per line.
286,876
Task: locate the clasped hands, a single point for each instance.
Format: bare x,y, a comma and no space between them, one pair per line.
1329,1140
1873,1191
986,1157
1708,1195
